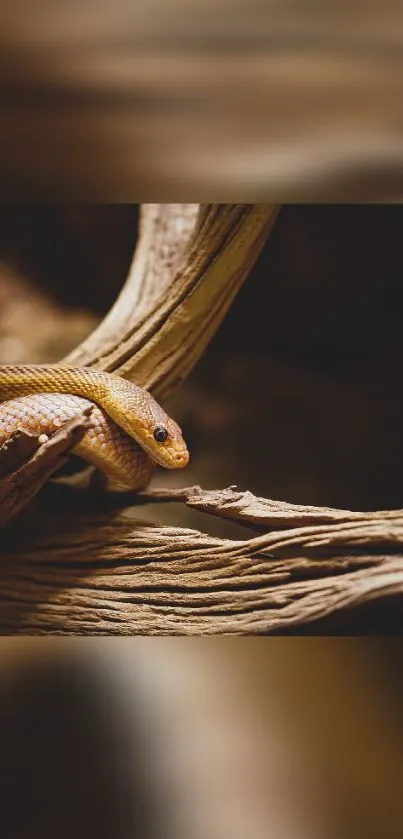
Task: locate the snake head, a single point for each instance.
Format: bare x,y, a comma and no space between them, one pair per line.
168,447
158,434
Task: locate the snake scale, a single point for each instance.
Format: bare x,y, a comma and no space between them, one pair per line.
130,433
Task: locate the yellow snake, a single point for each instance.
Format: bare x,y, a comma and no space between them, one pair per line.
131,432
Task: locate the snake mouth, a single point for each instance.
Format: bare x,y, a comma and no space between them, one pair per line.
180,459
174,459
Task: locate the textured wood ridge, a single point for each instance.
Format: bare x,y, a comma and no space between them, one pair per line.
105,571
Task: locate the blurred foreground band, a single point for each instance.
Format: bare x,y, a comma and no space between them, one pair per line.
208,739
182,99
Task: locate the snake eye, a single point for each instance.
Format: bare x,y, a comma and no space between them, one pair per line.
160,434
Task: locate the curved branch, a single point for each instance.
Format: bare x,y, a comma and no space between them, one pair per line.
190,261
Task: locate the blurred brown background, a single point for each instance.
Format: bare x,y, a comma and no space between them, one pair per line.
167,99
297,397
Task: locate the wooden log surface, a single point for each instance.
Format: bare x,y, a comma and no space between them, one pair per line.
84,568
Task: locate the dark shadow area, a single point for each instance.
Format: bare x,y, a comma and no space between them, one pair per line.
372,619
72,763
298,396
78,254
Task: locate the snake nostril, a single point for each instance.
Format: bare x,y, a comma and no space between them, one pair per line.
180,457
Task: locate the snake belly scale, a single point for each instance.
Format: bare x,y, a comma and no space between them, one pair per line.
131,432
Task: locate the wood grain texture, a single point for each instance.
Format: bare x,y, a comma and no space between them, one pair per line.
108,572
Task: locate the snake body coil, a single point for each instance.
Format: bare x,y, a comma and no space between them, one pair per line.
131,431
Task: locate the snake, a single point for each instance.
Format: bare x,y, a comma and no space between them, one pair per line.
130,432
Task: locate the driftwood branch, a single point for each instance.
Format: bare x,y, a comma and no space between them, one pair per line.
76,562
190,261
100,571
